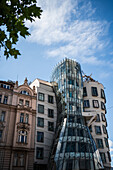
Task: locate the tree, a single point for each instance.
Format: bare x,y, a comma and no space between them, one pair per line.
13,14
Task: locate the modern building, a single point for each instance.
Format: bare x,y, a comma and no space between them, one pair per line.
76,149
17,126
94,105
46,118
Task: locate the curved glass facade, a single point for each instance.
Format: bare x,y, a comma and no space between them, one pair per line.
75,149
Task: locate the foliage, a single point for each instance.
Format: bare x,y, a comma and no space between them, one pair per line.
13,14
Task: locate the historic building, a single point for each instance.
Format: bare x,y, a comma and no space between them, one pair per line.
17,126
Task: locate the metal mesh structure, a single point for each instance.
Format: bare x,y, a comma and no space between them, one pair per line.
75,149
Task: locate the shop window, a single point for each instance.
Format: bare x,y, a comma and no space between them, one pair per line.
5,99
40,96
19,159
98,118
40,136
94,91
86,104
50,99
0,98
103,157
40,122
98,130
51,126
95,103
22,138
2,116
27,103
21,117
84,91
99,143
51,113
39,153
40,108
21,101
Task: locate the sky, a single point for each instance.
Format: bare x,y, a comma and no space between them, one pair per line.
76,29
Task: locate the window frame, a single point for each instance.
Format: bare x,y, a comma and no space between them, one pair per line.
22,136
42,121
41,108
51,126
40,136
96,130
5,100
50,99
43,98
99,143
96,103
50,113
86,104
42,154
94,91
84,91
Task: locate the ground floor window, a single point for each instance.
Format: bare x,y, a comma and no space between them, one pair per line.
19,159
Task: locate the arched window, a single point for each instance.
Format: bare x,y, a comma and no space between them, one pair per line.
24,92
22,136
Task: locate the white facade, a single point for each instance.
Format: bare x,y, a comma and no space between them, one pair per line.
94,112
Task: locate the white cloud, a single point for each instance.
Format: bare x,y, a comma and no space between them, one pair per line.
68,28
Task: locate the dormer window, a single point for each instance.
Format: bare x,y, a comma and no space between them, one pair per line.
24,92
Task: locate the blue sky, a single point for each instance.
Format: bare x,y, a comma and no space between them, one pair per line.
77,29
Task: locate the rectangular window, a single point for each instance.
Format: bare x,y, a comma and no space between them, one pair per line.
40,96
27,119
51,113
109,157
70,147
102,94
102,106
39,153
50,99
98,130
98,118
106,142
99,143
71,119
27,103
40,108
95,103
103,117
21,101
90,128
5,99
104,129
0,98
71,132
51,126
86,104
21,117
19,160
103,157
40,136
1,132
40,122
2,116
84,92
94,91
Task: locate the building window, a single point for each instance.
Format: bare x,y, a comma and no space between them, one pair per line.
69,165
21,117
84,92
90,128
102,106
70,147
104,129
99,143
51,126
102,94
71,132
50,99
40,122
19,159
21,101
40,136
24,92
5,99
103,117
0,98
51,113
71,119
27,103
41,96
98,118
80,132
22,136
103,157
95,103
40,108
106,142
2,116
39,153
27,118
109,157
94,91
98,130
1,132
71,82
86,104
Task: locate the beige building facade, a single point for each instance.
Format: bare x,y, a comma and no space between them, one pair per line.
94,112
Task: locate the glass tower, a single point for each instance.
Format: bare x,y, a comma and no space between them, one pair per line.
75,147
